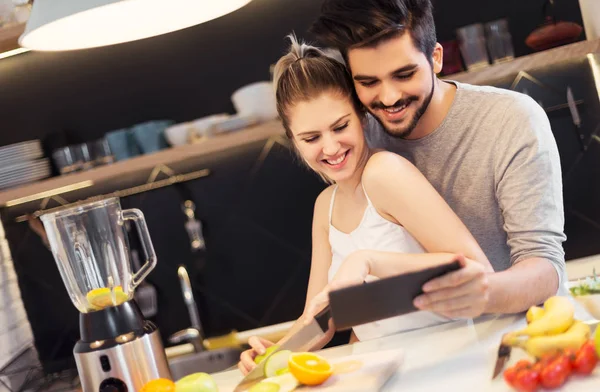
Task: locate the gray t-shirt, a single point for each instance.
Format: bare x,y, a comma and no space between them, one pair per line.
495,161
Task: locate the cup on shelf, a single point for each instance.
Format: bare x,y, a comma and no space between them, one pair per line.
101,153
122,144
471,41
499,41
84,156
66,160
150,136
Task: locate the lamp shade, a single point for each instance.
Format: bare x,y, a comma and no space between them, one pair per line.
56,25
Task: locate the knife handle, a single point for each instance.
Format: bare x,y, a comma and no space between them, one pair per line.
323,318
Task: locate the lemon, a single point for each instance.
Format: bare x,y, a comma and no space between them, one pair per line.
284,383
102,297
597,340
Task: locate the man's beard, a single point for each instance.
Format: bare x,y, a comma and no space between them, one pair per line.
401,102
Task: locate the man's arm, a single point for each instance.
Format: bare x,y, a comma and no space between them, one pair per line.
529,193
511,291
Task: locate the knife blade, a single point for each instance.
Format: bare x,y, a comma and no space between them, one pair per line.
302,340
382,298
503,357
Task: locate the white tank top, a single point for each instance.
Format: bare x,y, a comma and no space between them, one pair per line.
377,233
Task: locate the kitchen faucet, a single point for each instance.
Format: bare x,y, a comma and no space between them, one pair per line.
193,335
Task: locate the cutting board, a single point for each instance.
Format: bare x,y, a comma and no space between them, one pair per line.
360,372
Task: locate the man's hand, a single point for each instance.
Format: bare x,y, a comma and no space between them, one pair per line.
462,293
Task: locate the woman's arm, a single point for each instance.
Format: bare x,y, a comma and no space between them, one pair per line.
401,193
320,262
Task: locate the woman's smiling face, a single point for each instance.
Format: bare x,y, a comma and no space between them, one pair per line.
328,134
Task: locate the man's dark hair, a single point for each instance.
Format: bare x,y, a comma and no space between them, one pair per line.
348,24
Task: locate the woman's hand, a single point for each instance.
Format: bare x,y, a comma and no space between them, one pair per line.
258,346
352,272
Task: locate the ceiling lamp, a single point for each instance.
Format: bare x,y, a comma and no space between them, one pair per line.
56,25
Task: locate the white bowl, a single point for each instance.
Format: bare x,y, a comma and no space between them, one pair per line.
177,135
256,99
591,303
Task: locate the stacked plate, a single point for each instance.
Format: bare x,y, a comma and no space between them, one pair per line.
22,163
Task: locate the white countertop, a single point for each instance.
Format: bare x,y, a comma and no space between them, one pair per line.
456,356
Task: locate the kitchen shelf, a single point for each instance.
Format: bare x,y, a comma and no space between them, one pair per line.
524,63
9,37
130,173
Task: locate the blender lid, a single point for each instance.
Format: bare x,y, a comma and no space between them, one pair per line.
79,207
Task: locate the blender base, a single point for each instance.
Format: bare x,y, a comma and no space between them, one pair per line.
124,367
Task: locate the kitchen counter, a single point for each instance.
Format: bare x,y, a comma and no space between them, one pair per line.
455,356
459,355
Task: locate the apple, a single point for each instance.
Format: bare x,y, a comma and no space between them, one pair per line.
260,358
197,382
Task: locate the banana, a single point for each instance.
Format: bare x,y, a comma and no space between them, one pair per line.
534,313
557,318
573,338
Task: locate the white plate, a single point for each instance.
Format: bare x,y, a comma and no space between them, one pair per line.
25,179
21,167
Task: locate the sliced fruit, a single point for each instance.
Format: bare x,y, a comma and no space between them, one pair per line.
347,367
103,297
159,385
283,371
287,382
196,382
265,386
309,368
276,362
259,358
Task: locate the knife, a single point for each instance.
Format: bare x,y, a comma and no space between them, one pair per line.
302,340
503,357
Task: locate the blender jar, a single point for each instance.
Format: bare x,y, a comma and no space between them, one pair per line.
90,246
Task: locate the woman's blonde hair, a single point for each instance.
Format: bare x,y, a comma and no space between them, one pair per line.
306,72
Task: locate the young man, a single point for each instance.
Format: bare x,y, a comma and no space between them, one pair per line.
489,152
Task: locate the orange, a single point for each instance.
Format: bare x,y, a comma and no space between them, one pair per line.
309,368
159,385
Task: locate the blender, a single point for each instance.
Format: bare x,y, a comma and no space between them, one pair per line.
118,350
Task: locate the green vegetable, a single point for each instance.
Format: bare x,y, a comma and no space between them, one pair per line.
588,287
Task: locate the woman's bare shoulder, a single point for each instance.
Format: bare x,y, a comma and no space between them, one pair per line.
383,163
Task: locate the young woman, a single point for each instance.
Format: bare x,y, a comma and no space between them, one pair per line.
380,216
